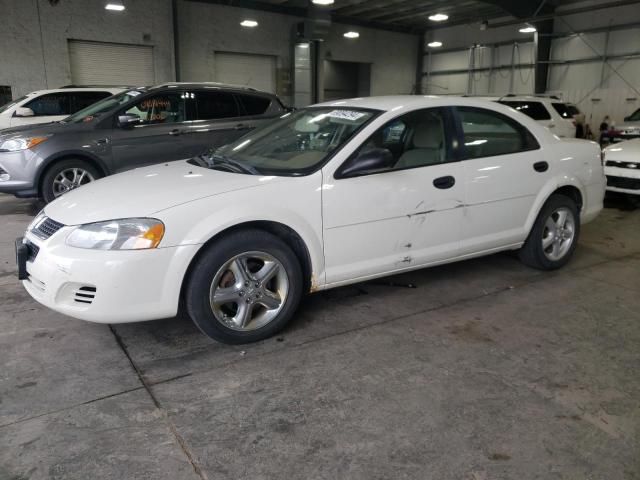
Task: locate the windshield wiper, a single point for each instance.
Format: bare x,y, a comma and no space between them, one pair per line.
215,159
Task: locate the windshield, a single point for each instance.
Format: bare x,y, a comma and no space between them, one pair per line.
296,144
7,106
96,109
634,117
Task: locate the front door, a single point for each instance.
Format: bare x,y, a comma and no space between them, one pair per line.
405,216
158,137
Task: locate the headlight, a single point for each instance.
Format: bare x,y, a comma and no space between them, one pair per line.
16,144
124,234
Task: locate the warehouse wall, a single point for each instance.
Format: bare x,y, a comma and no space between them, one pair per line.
591,83
201,34
34,36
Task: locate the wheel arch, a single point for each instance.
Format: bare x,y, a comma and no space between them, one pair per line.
287,234
570,188
66,155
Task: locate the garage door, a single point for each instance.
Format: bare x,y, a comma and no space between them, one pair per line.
96,63
257,71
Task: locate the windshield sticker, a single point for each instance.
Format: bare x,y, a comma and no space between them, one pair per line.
133,93
346,114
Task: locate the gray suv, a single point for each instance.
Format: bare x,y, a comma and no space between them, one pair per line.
134,128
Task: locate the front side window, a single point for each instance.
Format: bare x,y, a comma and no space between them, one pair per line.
96,110
488,133
565,111
297,143
215,105
535,110
50,104
160,108
416,139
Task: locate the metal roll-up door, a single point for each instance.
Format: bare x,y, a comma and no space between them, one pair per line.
97,63
257,71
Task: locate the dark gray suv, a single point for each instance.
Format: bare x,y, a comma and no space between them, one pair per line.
134,128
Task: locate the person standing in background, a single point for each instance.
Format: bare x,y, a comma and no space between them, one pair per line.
604,128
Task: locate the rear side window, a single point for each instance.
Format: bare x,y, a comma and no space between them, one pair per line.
51,104
254,104
535,110
215,105
488,133
565,111
84,99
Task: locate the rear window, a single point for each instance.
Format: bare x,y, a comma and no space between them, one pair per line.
253,104
565,111
535,110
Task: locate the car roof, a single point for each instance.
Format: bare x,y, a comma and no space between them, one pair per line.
531,98
395,102
78,89
213,85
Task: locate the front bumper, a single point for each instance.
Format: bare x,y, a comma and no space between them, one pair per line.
623,180
18,171
106,286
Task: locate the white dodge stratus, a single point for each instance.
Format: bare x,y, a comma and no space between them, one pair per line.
325,196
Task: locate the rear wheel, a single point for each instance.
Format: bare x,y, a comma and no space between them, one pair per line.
244,288
67,175
554,235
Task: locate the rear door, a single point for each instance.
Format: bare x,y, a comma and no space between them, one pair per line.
504,171
156,138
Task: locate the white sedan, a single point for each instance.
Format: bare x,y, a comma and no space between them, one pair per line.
622,167
328,195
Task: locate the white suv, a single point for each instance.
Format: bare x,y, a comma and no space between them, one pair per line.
45,106
551,112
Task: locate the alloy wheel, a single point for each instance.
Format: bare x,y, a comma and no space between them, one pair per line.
69,179
558,234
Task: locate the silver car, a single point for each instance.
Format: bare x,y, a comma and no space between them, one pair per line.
134,128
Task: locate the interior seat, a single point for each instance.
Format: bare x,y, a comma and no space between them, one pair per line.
428,145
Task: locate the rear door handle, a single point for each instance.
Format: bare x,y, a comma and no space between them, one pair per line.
541,166
175,132
444,182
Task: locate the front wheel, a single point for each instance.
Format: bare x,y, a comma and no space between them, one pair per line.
245,287
554,235
67,175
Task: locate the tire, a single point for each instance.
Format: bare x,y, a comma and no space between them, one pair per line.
77,172
549,247
257,280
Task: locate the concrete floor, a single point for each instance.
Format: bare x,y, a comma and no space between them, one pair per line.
485,370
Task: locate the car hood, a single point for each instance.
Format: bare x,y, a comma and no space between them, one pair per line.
628,151
41,129
146,191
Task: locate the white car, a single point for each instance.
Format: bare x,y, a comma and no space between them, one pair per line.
550,112
622,167
51,105
328,195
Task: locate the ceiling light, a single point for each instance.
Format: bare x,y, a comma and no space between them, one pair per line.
322,2
114,5
439,17
527,29
249,23
302,45
352,35
434,44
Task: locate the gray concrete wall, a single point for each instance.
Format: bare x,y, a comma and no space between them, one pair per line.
34,53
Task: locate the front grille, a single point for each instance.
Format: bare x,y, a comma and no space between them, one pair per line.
46,228
84,294
623,182
614,163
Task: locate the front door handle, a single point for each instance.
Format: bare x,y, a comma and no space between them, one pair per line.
444,182
102,141
175,132
541,166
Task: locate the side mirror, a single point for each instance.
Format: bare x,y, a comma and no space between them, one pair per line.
367,161
23,112
128,120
